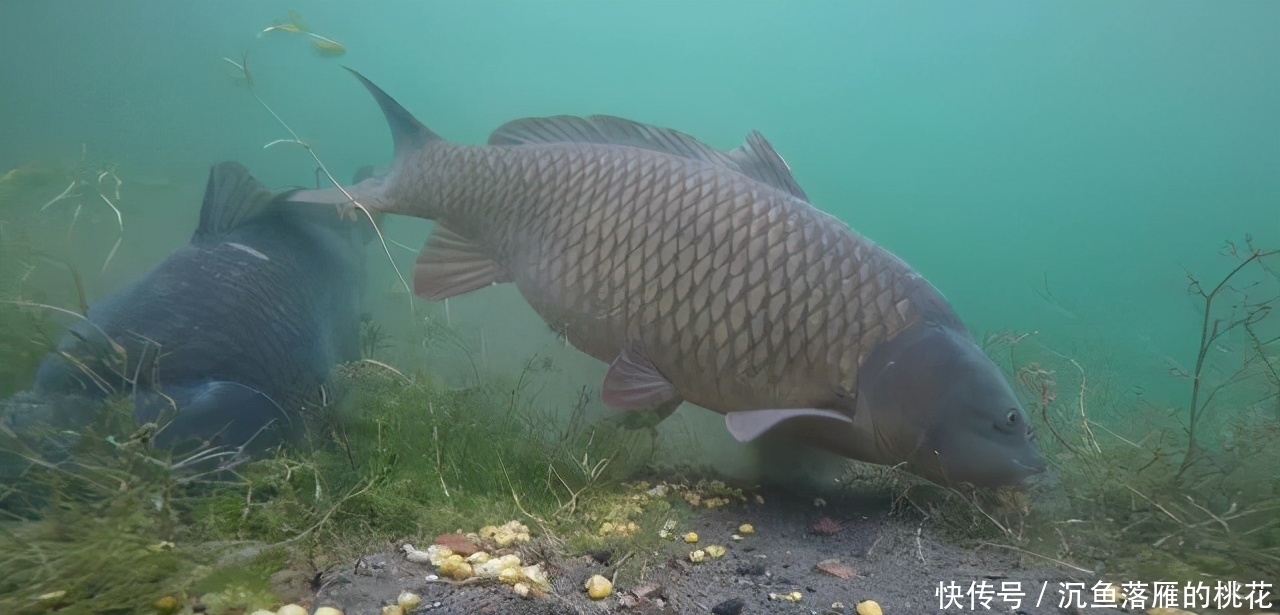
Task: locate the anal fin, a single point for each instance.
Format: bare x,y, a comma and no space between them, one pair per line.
748,425
451,265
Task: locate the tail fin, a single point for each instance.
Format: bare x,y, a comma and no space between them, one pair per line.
407,135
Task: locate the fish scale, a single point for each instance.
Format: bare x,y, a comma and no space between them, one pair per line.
705,276
578,203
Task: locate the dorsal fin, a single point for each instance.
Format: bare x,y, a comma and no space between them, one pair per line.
407,133
755,158
761,162
234,198
231,198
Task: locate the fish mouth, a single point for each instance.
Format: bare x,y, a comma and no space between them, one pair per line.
1031,475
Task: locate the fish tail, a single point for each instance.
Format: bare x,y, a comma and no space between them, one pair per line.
408,135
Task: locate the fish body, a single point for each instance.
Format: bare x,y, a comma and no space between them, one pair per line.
232,331
705,276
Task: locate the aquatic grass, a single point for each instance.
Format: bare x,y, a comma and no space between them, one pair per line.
1246,314
388,460
91,523
394,461
85,183
28,333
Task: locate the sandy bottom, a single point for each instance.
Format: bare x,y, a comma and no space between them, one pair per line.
890,561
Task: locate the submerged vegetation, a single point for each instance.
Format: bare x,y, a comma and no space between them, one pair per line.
103,517
323,45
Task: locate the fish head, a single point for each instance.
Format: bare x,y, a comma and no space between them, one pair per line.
937,403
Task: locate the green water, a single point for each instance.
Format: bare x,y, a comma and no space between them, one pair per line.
1106,148
1092,150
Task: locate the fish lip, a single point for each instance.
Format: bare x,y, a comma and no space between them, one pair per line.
1032,475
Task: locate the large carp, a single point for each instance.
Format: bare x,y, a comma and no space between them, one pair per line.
706,276
232,332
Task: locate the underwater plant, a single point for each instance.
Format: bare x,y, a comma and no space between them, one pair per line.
29,328
323,45
1245,315
102,516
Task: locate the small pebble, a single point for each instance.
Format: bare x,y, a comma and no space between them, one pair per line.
715,551
167,605
457,543
691,537
392,609
455,569
291,609
408,601
263,612
598,587
521,589
328,610
746,528
510,576
697,556
732,606
869,607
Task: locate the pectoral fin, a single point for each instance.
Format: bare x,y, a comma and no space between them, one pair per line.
748,425
634,383
451,265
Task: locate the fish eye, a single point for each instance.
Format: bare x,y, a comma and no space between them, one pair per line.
1011,419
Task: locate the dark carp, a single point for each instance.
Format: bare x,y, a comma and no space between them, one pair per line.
232,332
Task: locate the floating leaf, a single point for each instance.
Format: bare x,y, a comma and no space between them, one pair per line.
327,46
833,567
296,20
286,27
